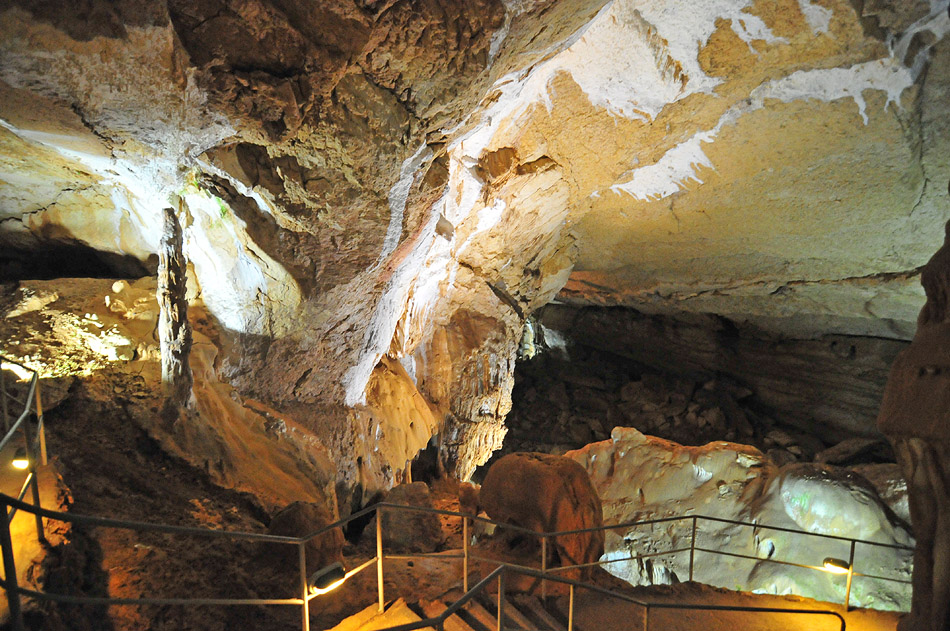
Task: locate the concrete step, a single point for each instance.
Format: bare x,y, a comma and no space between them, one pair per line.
515,616
536,611
433,608
477,613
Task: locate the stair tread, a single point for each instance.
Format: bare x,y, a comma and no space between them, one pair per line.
514,618
514,615
433,608
528,602
479,613
396,613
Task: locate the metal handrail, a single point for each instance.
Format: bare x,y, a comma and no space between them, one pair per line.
544,574
33,400
503,568
32,404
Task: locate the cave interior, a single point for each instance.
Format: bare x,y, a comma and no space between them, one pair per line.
274,262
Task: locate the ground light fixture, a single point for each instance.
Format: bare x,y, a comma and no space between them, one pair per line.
327,579
20,461
836,566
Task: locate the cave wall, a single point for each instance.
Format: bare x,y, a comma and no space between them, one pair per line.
830,387
369,185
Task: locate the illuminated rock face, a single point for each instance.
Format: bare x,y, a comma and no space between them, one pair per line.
640,477
376,194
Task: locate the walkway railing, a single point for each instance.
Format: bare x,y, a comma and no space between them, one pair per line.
35,447
305,595
29,446
500,573
33,441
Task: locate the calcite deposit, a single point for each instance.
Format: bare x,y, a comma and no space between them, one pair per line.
641,478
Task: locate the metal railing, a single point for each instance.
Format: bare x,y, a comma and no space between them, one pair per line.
544,574
499,573
693,548
35,445
34,440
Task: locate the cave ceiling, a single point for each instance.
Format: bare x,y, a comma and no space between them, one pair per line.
375,194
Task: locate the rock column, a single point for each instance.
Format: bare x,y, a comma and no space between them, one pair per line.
915,416
174,331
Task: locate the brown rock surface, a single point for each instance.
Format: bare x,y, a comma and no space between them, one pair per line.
547,493
915,415
408,530
301,519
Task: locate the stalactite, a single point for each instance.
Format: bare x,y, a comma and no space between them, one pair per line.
174,331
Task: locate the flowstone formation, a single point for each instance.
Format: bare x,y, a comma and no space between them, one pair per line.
915,415
376,194
641,478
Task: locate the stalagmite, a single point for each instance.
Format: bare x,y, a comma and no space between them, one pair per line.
915,416
174,331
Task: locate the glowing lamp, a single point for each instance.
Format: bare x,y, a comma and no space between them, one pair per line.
836,566
327,579
20,461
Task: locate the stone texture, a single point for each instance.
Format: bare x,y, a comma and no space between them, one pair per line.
547,493
301,519
829,387
409,531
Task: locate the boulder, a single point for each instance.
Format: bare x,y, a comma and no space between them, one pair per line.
547,493
301,519
410,531
468,498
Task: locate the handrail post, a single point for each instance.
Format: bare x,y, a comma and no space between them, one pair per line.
3,396
465,554
646,617
34,480
9,575
544,565
570,609
847,590
304,588
40,426
379,558
501,601
692,549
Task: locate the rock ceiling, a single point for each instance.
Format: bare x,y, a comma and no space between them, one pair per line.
377,193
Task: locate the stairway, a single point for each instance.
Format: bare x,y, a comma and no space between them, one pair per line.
522,613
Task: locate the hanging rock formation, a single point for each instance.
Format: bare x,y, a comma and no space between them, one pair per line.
915,415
